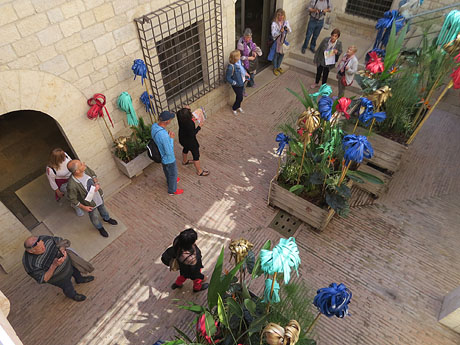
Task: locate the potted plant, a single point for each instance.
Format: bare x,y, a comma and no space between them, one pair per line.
130,151
315,179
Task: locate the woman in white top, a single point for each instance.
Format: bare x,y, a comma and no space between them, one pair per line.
58,174
346,69
280,28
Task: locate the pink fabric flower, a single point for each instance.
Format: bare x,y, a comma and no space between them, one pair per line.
342,106
201,328
375,64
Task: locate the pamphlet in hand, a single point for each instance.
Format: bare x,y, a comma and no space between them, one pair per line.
199,116
90,195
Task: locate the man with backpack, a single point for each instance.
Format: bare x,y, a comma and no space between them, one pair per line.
165,142
317,11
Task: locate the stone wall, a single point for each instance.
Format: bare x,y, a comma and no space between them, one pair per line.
88,43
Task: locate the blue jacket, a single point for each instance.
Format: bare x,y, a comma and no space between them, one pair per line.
233,75
165,144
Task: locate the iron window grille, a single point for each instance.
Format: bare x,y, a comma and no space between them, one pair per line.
370,9
182,44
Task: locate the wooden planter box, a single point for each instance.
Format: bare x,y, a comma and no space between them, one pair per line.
298,207
385,162
134,167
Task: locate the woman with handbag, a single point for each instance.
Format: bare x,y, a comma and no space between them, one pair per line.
326,57
346,69
279,29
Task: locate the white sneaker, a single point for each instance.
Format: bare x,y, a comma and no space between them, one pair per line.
234,112
241,110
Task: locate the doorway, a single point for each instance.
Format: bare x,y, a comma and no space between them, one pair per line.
256,15
26,140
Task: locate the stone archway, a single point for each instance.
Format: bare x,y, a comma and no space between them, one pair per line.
46,93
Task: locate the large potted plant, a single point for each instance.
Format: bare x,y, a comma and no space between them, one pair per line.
313,183
130,152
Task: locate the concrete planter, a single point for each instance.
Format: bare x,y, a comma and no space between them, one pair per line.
298,207
134,167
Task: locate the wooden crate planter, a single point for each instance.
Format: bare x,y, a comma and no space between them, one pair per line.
298,207
135,166
385,162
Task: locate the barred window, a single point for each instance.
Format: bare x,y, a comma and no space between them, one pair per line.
182,44
370,9
180,60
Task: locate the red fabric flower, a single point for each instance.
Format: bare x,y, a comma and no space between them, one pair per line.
201,328
456,78
300,131
342,106
375,64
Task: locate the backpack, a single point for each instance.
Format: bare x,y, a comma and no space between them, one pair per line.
152,150
169,258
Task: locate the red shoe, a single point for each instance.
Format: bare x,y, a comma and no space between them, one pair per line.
178,192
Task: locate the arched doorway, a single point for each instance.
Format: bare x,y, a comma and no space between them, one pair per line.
26,139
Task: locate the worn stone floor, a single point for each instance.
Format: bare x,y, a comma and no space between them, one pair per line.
399,256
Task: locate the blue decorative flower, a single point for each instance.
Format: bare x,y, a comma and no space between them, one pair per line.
333,300
356,148
282,139
283,256
139,69
145,100
325,108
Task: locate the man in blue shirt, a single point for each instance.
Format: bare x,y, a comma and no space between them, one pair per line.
165,142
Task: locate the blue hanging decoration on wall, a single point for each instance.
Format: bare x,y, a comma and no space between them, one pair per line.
333,300
356,148
139,69
145,100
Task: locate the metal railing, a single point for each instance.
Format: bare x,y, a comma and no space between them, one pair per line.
182,44
429,21
370,9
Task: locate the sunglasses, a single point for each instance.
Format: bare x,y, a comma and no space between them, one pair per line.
34,244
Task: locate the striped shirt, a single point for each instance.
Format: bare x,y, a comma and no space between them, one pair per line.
37,265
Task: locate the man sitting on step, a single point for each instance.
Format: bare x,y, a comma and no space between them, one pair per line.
44,261
84,191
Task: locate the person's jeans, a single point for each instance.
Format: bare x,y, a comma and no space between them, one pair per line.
251,80
170,171
239,96
94,217
66,284
277,60
324,70
313,29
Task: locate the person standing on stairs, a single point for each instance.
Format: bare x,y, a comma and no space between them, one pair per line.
317,11
279,30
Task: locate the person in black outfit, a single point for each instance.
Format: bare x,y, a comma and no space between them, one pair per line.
189,257
187,138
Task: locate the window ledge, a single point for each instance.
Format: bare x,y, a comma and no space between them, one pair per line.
346,17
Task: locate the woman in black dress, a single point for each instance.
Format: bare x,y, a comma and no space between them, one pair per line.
187,138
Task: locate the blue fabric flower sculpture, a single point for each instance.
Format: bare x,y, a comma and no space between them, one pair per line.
356,148
333,300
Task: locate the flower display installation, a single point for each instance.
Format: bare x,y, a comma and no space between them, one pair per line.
125,103
97,108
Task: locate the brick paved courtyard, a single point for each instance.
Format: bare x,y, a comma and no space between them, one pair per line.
399,256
